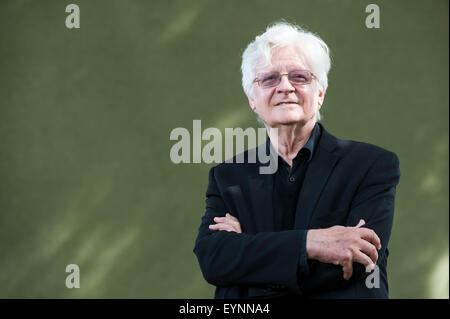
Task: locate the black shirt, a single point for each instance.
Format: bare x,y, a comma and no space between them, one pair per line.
287,186
288,182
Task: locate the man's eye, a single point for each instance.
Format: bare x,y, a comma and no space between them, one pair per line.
269,78
299,77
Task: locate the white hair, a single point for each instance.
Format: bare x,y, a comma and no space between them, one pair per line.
282,34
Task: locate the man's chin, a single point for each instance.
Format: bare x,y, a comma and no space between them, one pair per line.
289,120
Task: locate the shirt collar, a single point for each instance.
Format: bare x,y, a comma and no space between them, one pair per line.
309,147
312,141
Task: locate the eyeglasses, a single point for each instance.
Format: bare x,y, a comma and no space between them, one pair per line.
271,79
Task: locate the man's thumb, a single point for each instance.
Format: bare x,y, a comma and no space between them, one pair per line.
361,223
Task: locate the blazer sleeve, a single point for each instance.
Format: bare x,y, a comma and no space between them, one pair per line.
264,259
373,202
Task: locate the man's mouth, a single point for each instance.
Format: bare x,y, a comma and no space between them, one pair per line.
286,102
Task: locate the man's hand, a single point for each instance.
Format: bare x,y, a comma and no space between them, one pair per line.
228,223
341,245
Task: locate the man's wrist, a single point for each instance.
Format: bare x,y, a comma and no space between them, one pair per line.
310,244
302,261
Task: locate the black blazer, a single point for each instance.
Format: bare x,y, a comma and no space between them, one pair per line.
346,181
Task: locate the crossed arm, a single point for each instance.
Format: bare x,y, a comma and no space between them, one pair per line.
222,248
338,245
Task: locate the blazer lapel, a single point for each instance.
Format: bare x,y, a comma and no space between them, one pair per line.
320,168
261,189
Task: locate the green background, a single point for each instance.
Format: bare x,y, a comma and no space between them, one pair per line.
86,114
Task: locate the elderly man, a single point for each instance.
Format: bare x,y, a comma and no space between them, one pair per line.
318,226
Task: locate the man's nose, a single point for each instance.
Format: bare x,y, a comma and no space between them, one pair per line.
285,86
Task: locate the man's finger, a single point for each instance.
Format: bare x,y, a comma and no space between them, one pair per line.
223,220
232,217
348,270
370,236
369,250
222,226
363,259
226,220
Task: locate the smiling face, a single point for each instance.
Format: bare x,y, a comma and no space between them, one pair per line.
286,103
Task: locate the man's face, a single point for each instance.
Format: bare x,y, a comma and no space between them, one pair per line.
303,99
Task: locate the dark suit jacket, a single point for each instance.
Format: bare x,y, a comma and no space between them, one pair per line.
346,181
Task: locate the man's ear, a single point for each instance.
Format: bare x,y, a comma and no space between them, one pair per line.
321,96
251,102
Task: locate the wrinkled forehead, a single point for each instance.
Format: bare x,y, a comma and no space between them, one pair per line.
282,59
